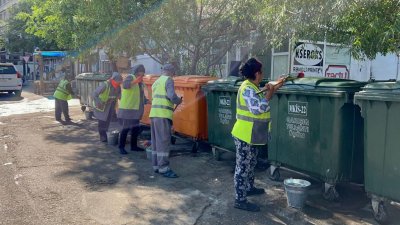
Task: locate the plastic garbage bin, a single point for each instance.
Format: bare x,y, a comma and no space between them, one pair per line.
190,117
317,130
221,105
86,83
380,108
148,81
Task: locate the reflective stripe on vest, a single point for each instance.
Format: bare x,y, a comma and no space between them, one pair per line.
250,128
104,97
61,92
130,98
161,106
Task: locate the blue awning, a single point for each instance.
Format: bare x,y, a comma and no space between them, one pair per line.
52,54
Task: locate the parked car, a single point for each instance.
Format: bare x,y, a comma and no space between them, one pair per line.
10,79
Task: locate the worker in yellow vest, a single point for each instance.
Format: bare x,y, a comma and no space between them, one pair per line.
250,131
62,94
162,109
131,108
104,99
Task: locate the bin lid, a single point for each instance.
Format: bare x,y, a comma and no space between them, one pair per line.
192,80
93,76
383,87
319,83
380,91
150,78
230,83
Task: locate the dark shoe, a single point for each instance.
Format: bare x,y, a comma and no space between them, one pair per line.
137,149
245,205
103,141
122,151
156,171
69,122
59,120
170,174
255,191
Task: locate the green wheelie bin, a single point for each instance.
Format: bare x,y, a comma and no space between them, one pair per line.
221,105
317,130
380,108
86,83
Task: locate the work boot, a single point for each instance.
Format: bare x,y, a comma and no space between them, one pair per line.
122,151
255,191
245,205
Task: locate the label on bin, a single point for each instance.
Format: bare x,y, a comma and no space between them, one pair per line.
297,108
224,101
297,127
225,116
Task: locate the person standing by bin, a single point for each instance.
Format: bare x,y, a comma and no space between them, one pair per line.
162,108
104,100
62,94
131,108
250,131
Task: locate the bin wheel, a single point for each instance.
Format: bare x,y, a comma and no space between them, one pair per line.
331,194
216,153
173,140
380,213
195,147
83,108
275,176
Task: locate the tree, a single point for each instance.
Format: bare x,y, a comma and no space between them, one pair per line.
194,34
17,38
80,25
367,26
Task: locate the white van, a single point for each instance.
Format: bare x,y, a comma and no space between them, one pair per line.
10,79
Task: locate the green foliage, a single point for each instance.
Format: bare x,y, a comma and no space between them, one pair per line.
367,26
370,27
194,34
16,37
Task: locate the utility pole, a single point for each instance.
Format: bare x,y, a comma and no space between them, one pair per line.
41,72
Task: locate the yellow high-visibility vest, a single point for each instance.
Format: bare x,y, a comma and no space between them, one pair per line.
161,106
250,128
61,92
130,98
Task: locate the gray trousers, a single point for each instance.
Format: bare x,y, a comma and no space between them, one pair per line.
160,141
103,127
61,107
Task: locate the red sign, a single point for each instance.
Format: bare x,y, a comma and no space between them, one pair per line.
337,71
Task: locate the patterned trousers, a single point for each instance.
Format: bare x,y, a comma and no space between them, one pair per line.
246,160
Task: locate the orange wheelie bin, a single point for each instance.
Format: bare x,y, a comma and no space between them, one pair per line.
190,117
148,80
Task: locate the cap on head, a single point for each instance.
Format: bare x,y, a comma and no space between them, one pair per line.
138,68
169,68
116,76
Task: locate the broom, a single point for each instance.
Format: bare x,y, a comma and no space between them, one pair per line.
286,78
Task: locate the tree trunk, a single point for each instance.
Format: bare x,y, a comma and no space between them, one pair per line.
195,61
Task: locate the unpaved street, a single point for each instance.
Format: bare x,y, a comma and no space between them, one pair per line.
56,174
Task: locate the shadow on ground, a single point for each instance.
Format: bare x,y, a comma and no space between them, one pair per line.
124,189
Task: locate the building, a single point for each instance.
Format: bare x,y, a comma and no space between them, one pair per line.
5,5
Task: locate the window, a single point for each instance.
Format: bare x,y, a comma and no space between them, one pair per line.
7,70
